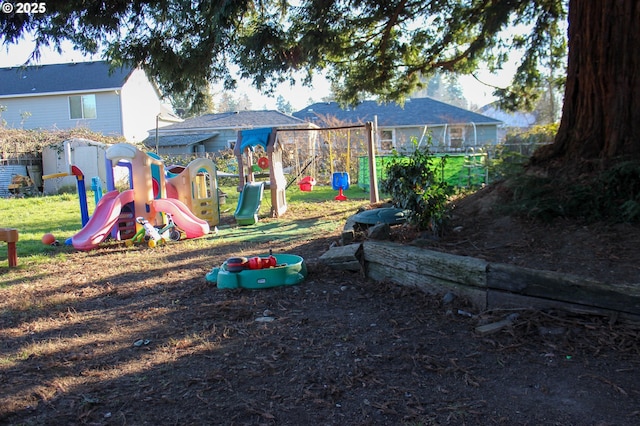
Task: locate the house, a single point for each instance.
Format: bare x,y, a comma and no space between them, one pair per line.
119,101
510,120
451,128
216,132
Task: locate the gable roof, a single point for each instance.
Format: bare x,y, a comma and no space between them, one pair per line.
178,140
236,120
509,119
199,129
415,112
61,78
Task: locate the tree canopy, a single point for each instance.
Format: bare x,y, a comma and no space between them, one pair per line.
384,48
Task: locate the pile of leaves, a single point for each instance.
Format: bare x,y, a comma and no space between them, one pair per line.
15,143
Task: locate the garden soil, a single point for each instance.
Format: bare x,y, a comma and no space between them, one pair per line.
137,336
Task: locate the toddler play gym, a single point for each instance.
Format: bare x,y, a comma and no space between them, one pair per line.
187,198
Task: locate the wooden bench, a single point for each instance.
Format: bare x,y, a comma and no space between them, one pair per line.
10,236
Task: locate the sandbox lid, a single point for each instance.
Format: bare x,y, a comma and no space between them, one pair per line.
390,215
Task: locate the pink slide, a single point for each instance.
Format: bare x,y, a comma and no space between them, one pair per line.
192,225
104,218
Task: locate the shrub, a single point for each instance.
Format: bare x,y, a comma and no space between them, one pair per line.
413,185
611,195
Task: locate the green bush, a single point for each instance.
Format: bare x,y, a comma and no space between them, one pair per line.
505,163
534,136
413,185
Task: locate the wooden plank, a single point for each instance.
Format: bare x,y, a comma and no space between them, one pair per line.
429,285
347,257
503,300
494,327
563,288
342,253
505,285
452,268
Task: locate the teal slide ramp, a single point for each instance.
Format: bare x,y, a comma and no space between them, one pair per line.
249,203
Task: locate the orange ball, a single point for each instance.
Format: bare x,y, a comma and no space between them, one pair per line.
48,239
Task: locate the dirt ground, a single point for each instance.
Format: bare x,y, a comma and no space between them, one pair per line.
135,336
604,252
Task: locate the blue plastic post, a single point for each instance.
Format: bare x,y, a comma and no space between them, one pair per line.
96,187
82,194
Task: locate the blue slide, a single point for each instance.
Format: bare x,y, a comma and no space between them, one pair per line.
249,203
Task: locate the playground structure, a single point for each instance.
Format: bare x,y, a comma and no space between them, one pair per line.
195,185
251,191
80,182
329,152
150,197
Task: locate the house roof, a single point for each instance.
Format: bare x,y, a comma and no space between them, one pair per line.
418,111
236,120
178,140
509,119
57,78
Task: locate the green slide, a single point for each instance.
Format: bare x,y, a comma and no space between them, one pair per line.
249,203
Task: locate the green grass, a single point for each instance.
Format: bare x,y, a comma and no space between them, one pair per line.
34,217
60,215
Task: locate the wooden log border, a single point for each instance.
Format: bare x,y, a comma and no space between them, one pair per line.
495,285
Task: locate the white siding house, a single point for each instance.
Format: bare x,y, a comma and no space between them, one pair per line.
120,101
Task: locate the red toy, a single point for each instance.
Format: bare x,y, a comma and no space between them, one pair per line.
262,262
48,239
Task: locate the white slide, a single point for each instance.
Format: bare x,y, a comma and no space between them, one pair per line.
184,218
99,226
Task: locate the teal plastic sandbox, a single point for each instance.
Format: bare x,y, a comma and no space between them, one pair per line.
289,270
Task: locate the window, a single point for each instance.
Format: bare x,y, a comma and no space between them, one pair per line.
387,140
82,106
456,137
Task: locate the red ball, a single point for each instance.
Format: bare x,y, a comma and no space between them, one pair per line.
48,239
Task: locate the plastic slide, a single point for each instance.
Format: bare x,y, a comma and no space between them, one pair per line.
249,203
192,225
102,221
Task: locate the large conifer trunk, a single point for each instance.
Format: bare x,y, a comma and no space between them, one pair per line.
601,115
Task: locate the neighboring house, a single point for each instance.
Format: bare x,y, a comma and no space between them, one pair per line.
119,101
510,120
216,132
451,128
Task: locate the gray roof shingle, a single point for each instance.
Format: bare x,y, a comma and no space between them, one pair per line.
236,120
178,140
71,77
418,111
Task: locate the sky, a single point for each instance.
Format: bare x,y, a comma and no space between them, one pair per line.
298,96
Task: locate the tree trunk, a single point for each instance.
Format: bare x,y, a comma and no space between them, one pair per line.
601,114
